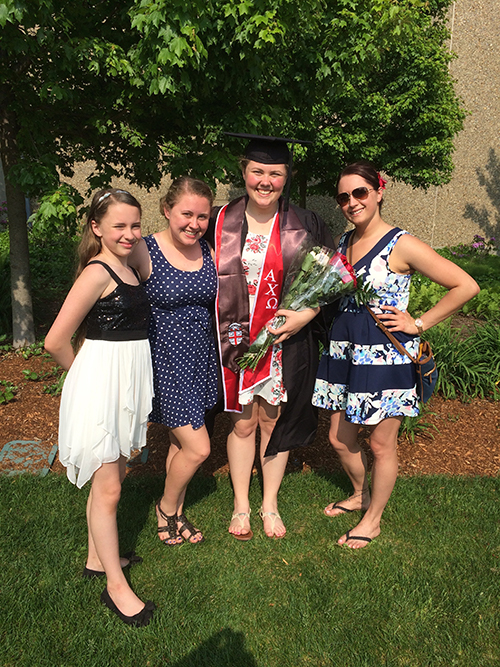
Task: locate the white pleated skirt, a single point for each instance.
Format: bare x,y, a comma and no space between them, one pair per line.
105,404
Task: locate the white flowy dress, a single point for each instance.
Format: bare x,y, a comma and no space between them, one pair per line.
107,395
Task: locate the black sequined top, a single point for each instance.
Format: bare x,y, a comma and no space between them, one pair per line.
121,315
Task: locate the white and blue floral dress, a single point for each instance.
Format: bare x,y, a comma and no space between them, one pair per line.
362,372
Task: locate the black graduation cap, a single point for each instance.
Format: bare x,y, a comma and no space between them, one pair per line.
271,150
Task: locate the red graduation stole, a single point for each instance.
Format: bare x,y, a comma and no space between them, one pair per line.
236,328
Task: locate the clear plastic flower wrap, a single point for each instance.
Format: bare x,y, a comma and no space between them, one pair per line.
318,276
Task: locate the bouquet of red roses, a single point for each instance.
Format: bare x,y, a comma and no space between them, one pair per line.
316,279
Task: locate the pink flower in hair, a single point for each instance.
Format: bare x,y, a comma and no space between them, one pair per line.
382,182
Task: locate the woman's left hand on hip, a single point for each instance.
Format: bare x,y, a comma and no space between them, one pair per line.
397,320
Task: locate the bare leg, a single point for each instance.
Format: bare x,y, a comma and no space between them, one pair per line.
93,562
383,443
175,448
188,449
172,450
106,489
343,438
273,469
241,456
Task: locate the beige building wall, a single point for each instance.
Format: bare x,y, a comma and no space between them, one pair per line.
470,203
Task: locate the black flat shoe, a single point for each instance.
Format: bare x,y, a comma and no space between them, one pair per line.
138,620
131,556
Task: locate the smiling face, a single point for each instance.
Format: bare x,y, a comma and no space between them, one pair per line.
119,229
359,212
188,218
264,183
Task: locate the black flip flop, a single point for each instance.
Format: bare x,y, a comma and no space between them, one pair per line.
355,537
336,506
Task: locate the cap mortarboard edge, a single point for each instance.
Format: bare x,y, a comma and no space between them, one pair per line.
259,137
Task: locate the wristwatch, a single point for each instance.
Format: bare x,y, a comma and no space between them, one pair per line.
420,325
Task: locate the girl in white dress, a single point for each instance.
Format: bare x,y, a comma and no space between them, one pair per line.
107,394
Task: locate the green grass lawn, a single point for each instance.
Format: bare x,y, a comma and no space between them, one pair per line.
426,592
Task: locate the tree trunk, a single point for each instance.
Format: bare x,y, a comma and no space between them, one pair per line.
23,328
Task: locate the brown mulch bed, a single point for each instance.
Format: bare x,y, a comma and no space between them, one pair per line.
462,438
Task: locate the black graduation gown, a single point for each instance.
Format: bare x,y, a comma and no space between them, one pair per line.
298,421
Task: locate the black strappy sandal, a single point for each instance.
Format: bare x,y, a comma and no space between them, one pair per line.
170,528
187,525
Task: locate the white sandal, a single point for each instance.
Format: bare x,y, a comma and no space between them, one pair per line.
241,516
274,516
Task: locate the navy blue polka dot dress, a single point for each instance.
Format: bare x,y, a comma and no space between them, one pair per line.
181,338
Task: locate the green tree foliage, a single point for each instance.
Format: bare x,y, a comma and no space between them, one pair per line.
144,87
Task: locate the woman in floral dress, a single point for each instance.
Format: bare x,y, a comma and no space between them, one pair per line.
362,377
255,240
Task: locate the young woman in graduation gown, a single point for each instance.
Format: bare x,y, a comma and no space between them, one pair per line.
255,240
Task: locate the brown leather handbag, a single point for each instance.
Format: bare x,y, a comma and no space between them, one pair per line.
427,372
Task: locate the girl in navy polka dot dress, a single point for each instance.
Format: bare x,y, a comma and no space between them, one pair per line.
181,283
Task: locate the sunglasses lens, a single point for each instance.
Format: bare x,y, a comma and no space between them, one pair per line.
360,193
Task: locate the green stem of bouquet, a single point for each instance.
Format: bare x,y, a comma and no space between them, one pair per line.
251,358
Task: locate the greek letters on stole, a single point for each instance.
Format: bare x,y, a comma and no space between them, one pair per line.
235,327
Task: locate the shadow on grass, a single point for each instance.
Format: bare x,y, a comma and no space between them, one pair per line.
338,480
224,649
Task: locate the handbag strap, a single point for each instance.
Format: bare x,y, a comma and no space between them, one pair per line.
393,340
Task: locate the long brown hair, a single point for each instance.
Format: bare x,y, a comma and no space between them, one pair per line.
90,244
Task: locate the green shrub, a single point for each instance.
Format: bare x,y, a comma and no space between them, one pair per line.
52,264
52,247
57,213
424,294
478,249
52,267
412,426
478,259
486,305
55,388
7,391
469,367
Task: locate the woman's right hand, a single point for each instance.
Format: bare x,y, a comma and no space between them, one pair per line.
295,321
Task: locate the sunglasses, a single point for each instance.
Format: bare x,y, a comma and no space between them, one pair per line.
358,193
